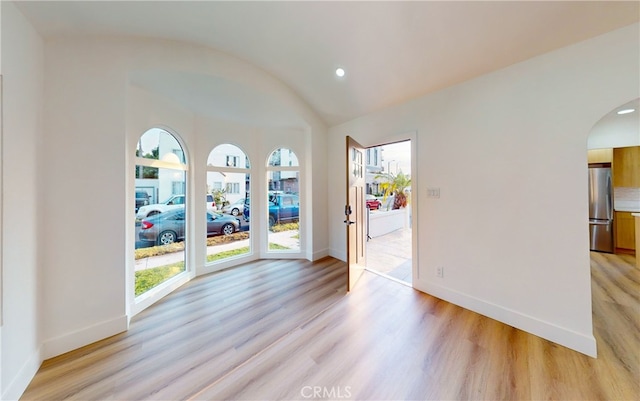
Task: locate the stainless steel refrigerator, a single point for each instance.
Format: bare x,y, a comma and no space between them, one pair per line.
600,209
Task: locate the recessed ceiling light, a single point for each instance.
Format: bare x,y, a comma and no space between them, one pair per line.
626,111
340,72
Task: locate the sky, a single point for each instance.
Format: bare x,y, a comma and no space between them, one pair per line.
397,157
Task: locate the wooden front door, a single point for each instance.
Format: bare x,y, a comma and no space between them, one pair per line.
355,212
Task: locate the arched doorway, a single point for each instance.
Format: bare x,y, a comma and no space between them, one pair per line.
614,179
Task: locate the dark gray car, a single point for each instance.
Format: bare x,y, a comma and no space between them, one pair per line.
142,199
168,227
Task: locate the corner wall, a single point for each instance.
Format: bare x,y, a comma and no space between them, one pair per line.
508,152
22,69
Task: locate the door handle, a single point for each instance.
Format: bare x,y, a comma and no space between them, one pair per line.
347,212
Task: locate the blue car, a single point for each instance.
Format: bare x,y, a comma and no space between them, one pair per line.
283,208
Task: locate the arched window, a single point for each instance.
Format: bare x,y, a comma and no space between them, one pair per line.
283,195
228,186
160,213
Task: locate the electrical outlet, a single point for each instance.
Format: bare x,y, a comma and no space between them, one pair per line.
440,271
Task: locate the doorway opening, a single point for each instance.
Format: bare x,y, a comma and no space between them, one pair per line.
613,155
389,218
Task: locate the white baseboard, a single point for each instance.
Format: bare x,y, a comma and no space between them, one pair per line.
18,385
338,254
80,338
583,343
320,254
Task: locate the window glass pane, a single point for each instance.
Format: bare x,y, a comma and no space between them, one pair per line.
160,213
146,172
283,158
229,156
228,226
158,144
160,230
283,206
284,211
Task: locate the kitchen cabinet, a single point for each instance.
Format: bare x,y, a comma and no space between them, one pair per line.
626,167
625,231
600,155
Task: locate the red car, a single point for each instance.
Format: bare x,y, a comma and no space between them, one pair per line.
373,203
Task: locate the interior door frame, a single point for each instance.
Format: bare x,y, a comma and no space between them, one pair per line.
415,191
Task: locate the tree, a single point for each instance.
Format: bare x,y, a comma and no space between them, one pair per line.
219,196
395,185
145,171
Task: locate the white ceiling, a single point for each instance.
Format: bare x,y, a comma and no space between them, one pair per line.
392,51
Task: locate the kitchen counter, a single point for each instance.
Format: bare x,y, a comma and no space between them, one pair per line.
632,206
626,200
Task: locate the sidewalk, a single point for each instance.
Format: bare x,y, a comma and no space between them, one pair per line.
391,254
283,238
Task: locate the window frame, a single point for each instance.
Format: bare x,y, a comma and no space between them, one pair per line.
225,169
137,304
269,168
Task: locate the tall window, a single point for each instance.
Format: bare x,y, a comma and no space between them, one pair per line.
160,215
283,197
228,184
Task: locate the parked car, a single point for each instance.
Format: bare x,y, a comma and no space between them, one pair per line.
373,203
168,227
211,203
245,211
283,208
235,209
142,199
174,202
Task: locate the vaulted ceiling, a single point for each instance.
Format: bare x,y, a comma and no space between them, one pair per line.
391,51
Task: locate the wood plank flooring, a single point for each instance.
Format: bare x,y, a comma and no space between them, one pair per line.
274,329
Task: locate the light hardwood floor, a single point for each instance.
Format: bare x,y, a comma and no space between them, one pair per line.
278,329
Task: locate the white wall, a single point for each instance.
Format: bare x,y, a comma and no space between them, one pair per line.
22,68
84,252
1,202
508,152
